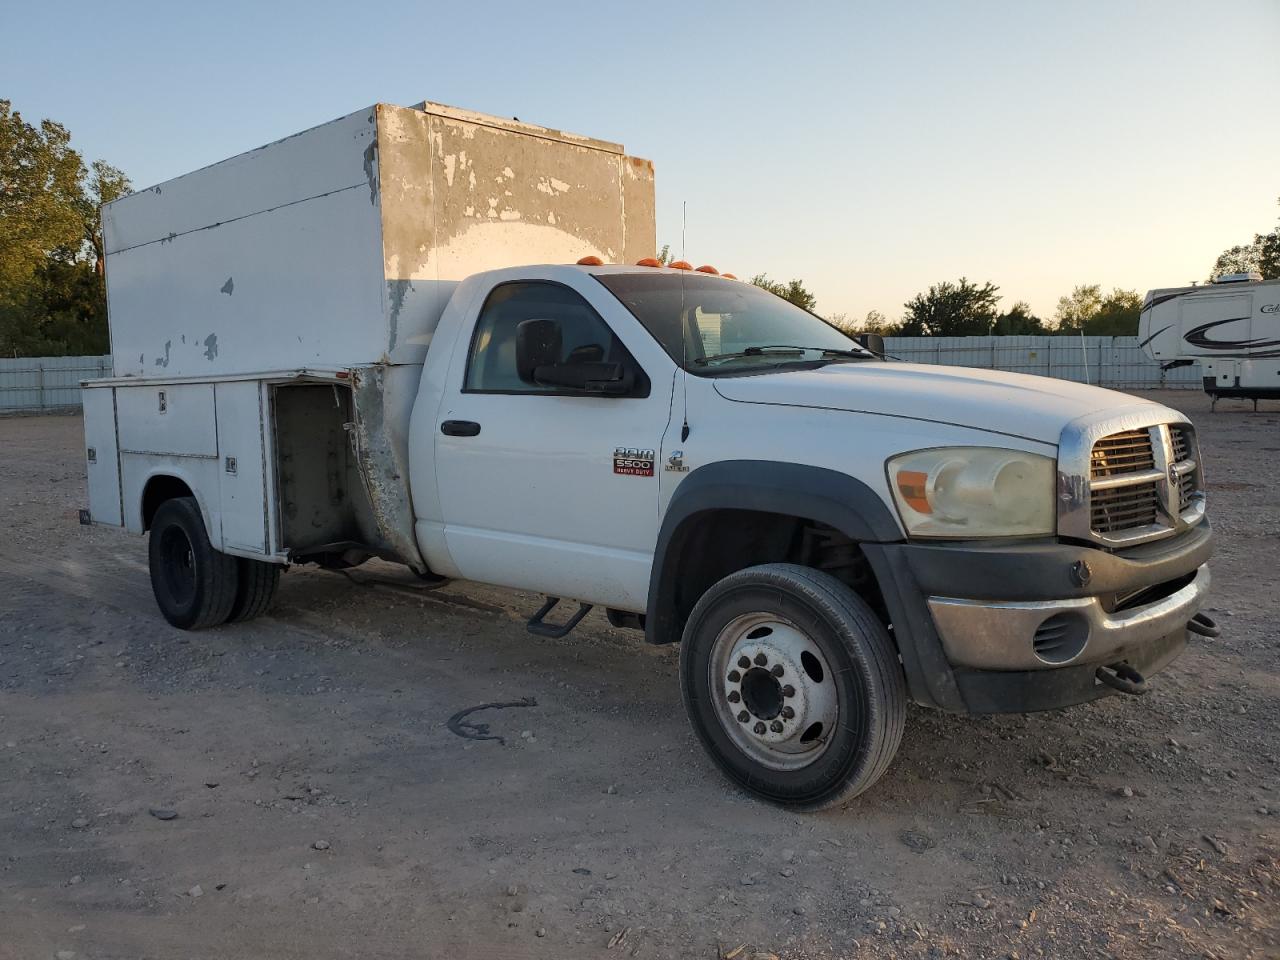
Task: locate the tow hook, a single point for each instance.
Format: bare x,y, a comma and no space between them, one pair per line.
1204,625
1122,677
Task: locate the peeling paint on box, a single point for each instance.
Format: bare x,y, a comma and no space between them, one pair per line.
228,287
211,347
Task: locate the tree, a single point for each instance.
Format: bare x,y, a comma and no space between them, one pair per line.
877,322
665,256
40,190
1075,311
1263,255
106,183
1088,311
52,296
961,309
1117,315
1018,320
792,290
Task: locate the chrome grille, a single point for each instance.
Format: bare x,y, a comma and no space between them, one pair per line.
1126,452
1122,508
1141,481
1189,479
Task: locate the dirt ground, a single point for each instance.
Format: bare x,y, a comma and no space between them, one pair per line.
324,808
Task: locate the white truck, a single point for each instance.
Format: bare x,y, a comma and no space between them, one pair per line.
395,335
1230,327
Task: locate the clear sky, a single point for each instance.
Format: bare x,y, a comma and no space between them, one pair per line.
869,149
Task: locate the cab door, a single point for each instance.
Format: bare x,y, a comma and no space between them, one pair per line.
550,489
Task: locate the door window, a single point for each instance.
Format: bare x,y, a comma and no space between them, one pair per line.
491,367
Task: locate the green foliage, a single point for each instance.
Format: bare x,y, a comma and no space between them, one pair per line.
875,322
792,290
1017,321
51,255
961,309
1263,255
1117,316
63,312
665,256
1075,311
1088,311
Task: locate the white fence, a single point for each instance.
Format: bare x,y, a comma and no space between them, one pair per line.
1103,361
52,383
47,383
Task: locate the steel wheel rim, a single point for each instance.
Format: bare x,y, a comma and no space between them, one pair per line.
178,565
786,691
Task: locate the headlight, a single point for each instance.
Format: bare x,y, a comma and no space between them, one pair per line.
974,492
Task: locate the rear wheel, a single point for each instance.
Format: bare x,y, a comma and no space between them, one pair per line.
793,685
257,587
194,585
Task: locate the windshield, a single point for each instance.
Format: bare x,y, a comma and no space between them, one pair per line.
729,326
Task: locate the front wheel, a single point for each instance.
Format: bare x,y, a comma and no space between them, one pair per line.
793,685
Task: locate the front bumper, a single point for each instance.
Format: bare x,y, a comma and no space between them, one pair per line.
1047,634
995,627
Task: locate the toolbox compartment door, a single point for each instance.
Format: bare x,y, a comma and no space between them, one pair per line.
102,454
177,419
241,473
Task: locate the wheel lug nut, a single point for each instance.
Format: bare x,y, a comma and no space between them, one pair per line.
776,726
788,691
734,697
744,663
759,728
761,659
787,713
777,670
734,676
743,717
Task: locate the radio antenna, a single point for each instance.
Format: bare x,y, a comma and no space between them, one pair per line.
684,321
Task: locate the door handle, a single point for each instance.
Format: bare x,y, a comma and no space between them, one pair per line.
460,428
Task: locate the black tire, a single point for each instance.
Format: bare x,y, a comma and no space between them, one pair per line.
257,587
194,585
868,688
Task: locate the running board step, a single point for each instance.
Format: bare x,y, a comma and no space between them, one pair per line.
555,631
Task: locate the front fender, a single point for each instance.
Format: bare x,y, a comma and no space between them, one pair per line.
796,490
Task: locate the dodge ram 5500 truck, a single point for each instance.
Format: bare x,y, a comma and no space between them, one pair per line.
395,336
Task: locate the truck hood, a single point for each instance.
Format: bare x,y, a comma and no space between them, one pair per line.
1015,404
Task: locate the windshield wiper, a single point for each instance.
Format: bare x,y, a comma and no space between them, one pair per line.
777,349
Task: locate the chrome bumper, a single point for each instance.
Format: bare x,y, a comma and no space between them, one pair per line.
1044,634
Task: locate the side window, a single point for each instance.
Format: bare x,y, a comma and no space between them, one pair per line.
491,368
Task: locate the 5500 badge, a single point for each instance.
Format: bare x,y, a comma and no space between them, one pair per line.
630,462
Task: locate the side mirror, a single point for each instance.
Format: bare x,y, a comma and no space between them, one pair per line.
538,344
873,342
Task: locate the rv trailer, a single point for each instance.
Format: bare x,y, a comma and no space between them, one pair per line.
1230,327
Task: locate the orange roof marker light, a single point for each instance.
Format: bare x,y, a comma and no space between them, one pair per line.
649,262
680,265
729,276
591,261
708,268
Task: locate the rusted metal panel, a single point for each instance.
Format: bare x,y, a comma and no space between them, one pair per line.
380,444
462,192
339,246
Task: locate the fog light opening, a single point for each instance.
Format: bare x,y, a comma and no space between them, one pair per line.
1061,638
